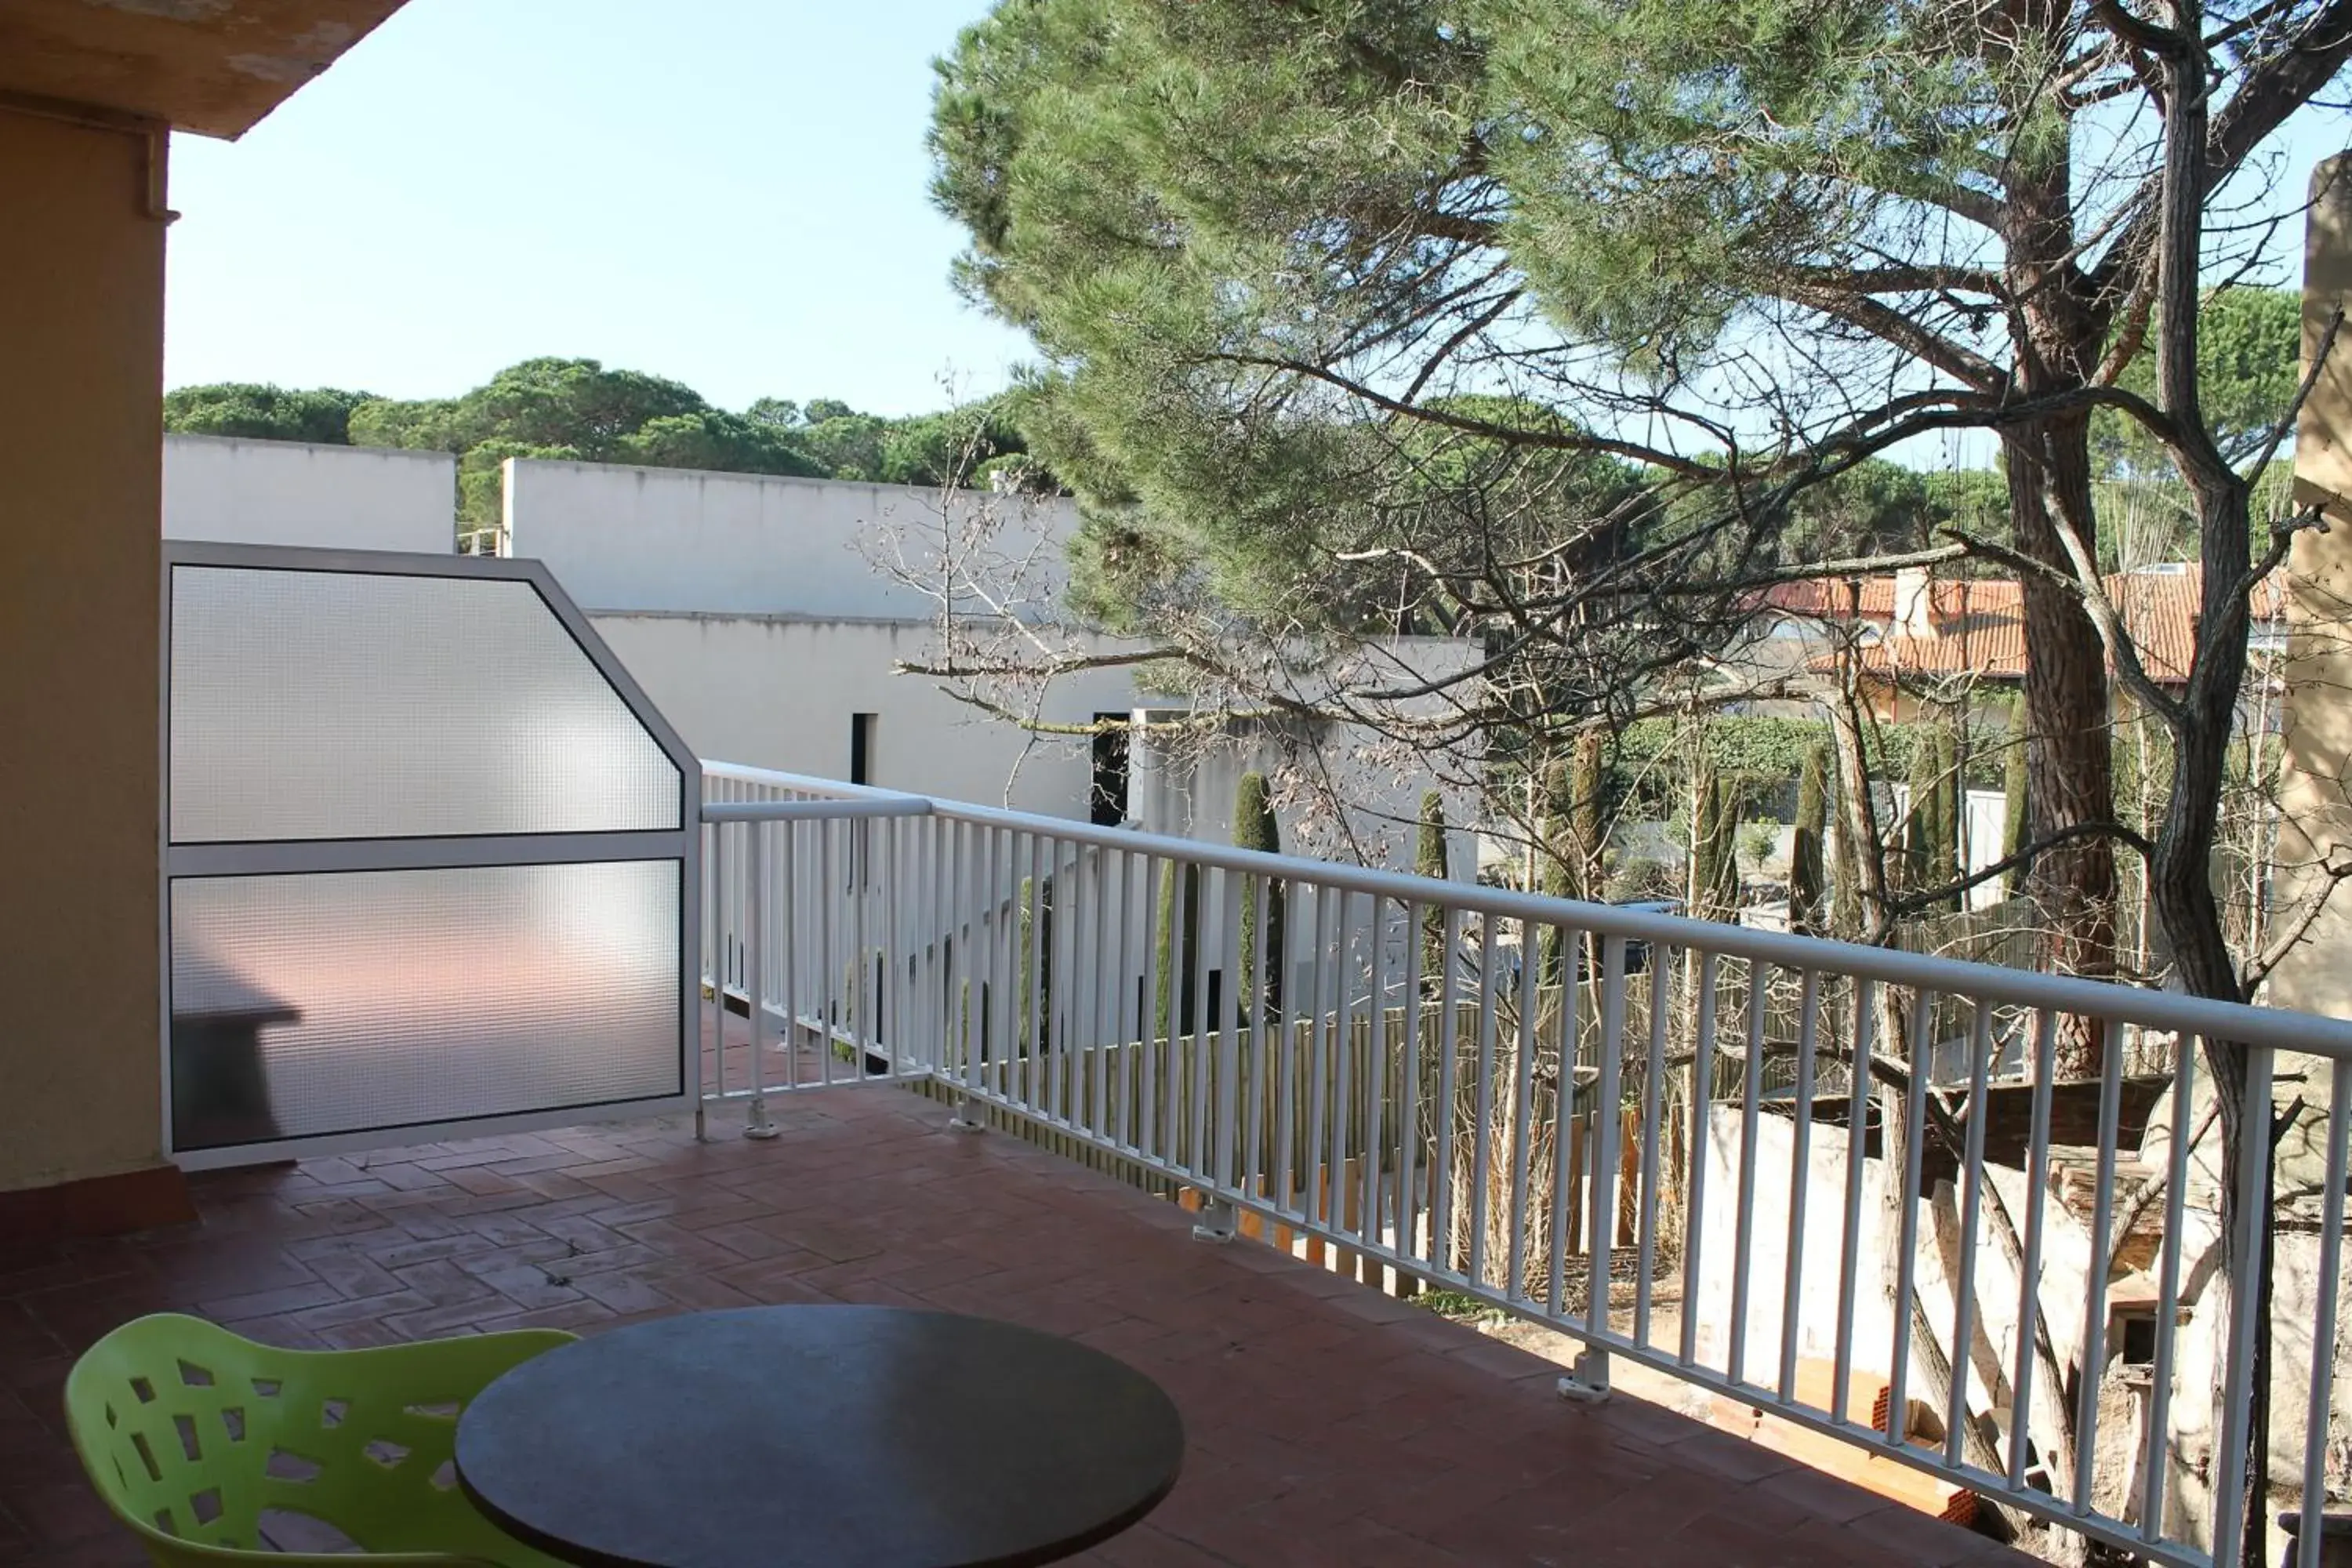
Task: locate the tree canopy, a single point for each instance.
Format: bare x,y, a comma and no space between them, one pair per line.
578,409
264,413
1282,257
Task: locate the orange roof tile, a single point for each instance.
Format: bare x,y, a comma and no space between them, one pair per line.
1979,624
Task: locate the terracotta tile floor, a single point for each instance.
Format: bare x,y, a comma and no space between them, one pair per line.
1327,1423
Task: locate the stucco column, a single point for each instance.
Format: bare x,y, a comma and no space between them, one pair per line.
82,319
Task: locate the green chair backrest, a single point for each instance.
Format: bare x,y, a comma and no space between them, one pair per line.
190,1433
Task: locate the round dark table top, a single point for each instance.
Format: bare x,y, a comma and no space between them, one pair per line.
840,1436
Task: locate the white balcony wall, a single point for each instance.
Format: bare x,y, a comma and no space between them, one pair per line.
235,491
779,691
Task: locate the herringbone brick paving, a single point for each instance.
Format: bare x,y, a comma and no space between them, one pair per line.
1326,1424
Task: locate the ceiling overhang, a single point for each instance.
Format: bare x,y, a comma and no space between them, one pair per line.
212,66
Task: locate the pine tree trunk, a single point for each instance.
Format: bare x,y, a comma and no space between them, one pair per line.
2069,768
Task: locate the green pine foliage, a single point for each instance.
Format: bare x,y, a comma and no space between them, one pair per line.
1255,827
1845,870
1173,1007
1944,849
1805,851
1714,880
1429,859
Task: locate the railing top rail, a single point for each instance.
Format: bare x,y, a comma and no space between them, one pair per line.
2272,1026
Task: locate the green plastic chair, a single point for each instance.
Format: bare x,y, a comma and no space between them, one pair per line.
190,1433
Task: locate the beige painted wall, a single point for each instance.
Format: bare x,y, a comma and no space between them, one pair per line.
2318,720
82,319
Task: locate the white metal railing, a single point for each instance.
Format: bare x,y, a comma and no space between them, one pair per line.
1353,1056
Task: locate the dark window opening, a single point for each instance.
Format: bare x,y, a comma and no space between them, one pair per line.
2138,1338
1107,802
861,747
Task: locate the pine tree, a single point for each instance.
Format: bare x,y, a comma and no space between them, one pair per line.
1173,1007
1919,826
1562,865
1944,848
1805,844
1429,860
1255,827
1845,869
2013,799
1714,859
1028,955
1587,829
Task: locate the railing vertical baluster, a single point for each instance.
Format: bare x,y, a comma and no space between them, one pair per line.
1441,1238
1118,1068
1285,1175
1915,1116
1409,1120
958,1000
756,986
1034,964
2167,1306
2094,1307
1262,992
1229,1029
1343,1056
1658,966
828,995
1067,923
1110,963
1751,1097
1086,978
890,1024
1173,1077
1203,1024
1483,1129
716,1083
2323,1326
1695,1154
1009,980
786,835
1149,1054
2253,1216
1523,1110
1972,1179
1376,1054
1607,1115
1800,1178
1857,1145
1182,895
2029,1284
860,834
1563,1141
1318,1178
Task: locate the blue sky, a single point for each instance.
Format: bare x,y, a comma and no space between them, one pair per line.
728,192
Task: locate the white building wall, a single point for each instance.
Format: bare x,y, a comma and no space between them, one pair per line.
778,691
675,539
236,491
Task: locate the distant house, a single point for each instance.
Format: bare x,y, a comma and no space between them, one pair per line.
1962,640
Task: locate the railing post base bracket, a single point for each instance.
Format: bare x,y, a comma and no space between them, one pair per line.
757,1126
1216,1221
1587,1381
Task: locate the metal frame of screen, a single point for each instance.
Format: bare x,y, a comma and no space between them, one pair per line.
681,846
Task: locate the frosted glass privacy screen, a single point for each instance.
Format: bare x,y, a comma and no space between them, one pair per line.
312,704
342,1002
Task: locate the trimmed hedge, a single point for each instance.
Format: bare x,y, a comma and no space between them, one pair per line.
1649,759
